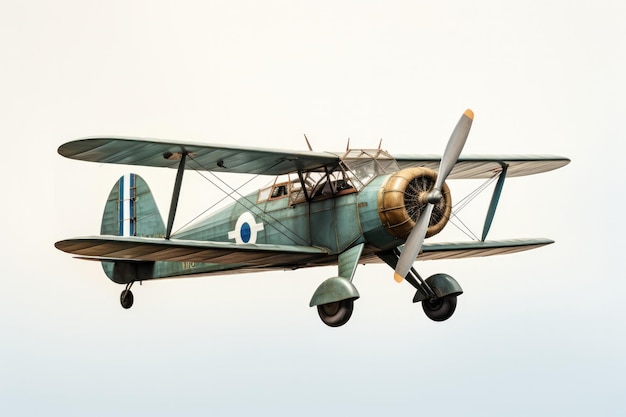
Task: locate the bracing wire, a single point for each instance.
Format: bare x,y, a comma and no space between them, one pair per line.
235,191
464,203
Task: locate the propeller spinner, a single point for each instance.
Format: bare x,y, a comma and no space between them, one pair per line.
414,242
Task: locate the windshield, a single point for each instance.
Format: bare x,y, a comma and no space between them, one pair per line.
354,171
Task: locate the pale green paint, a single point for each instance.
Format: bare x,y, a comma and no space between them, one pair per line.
325,226
348,261
149,222
202,156
493,205
332,290
442,285
229,158
485,166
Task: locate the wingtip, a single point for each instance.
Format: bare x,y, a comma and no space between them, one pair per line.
397,277
469,113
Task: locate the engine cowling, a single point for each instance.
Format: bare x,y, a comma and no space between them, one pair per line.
404,196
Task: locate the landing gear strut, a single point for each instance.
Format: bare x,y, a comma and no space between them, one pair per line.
337,313
437,293
126,297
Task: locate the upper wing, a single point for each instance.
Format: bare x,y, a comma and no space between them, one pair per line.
204,157
486,166
117,248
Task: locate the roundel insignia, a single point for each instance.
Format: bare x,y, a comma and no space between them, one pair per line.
246,229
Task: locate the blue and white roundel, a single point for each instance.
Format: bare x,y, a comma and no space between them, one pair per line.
246,229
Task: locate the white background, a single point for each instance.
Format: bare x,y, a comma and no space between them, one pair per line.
537,333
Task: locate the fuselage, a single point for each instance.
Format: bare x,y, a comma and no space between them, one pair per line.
366,199
334,223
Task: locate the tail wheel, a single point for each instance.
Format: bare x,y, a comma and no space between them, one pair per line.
337,313
126,299
440,309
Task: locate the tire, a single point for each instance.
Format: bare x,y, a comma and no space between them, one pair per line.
440,309
336,314
127,299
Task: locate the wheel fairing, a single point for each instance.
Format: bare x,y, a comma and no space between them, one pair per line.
332,290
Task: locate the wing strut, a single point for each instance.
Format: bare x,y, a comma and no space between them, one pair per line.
494,201
303,184
176,193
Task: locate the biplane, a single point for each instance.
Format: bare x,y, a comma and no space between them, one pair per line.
323,208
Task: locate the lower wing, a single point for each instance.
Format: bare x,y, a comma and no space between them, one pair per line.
120,248
475,249
472,249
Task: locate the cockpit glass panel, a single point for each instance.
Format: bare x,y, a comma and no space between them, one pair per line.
365,165
356,169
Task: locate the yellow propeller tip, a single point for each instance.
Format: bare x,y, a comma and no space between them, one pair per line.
469,114
397,277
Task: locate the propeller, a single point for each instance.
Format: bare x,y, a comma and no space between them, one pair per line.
414,243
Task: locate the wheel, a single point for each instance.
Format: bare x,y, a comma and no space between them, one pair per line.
440,309
336,314
126,299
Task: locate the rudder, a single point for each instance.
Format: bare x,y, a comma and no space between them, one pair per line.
130,210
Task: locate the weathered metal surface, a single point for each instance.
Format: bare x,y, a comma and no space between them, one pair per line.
147,220
228,158
127,272
279,232
202,156
332,290
348,261
461,250
348,226
493,205
403,197
323,221
486,166
442,285
474,249
152,249
373,229
175,195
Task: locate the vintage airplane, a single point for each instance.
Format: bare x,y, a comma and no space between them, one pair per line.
324,208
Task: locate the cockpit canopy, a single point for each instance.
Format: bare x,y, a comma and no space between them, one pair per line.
356,168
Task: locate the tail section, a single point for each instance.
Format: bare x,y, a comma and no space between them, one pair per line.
130,210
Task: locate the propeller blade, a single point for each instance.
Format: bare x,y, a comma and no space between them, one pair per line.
414,243
452,152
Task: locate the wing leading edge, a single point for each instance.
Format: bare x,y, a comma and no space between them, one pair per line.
119,248
474,249
228,158
176,250
486,166
203,157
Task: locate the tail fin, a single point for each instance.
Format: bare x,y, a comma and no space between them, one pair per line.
130,210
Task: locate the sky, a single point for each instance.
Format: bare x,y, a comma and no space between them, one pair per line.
536,333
